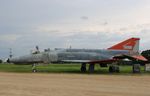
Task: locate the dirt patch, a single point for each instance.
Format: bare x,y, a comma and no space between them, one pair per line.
30,84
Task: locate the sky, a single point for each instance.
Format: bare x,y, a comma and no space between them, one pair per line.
90,24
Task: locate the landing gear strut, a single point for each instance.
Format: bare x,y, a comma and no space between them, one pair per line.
91,68
114,68
83,67
136,68
34,68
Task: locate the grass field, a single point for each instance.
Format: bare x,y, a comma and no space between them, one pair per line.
62,68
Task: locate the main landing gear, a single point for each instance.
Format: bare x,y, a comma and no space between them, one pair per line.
91,67
114,68
83,67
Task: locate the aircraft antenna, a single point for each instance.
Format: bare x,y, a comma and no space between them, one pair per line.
10,53
70,47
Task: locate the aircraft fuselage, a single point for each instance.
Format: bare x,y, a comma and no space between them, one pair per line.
68,55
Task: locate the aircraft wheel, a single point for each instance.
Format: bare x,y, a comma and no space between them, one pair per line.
83,67
117,69
136,68
110,69
114,68
34,70
91,68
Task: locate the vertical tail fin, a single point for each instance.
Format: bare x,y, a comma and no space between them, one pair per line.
131,44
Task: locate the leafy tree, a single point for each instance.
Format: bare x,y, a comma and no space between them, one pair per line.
146,54
1,61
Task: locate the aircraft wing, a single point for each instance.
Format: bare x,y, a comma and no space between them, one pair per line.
76,61
107,61
103,61
91,61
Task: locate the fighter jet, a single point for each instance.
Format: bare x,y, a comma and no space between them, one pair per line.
111,56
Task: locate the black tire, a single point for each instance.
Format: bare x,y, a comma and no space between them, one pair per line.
110,69
83,69
34,70
117,69
136,68
91,68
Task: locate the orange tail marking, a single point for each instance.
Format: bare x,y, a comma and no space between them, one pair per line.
126,45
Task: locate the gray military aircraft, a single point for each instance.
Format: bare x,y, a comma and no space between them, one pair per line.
126,49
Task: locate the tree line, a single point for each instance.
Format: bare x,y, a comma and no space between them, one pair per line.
146,54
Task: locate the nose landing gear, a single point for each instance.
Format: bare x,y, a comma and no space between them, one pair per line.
34,68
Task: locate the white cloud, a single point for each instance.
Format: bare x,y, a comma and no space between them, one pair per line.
9,38
79,23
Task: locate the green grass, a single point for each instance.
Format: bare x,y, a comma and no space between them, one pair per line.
63,68
14,68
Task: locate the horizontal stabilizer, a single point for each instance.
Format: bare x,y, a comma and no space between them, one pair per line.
134,58
140,57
